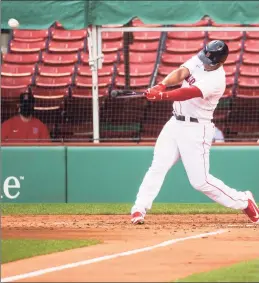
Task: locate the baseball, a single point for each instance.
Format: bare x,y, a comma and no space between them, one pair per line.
13,23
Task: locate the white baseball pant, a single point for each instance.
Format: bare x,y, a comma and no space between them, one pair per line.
191,142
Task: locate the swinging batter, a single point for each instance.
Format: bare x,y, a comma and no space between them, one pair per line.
188,134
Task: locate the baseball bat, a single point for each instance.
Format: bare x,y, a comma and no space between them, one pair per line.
125,92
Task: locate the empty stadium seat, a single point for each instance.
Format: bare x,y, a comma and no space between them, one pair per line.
230,80
188,46
112,46
21,58
135,82
10,93
230,69
67,35
66,46
186,35
250,82
250,58
200,23
146,36
15,82
234,46
252,34
136,22
84,81
13,70
232,58
225,35
56,71
139,46
141,57
249,70
112,36
176,59
27,47
137,70
46,98
108,58
30,35
59,59
86,91
53,81
252,45
164,70
84,70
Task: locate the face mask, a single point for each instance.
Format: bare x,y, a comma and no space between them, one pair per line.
26,110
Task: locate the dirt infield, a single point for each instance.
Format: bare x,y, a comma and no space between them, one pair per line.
239,242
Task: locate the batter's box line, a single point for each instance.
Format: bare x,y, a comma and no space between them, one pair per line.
103,258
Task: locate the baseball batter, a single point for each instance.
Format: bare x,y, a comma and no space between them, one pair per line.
189,133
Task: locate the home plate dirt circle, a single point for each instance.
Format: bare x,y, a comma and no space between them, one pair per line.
238,242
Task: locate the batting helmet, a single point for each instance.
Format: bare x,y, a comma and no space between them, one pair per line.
214,52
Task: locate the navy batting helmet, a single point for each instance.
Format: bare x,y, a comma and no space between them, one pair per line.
214,52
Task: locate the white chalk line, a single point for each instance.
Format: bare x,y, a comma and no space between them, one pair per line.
103,258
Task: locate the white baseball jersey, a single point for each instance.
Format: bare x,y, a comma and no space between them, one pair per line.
212,85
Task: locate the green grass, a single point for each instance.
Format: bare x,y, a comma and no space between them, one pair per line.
105,208
242,272
15,249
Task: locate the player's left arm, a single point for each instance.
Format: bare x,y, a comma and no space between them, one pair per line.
179,94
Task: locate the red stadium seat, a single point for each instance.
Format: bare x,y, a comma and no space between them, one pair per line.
78,92
83,81
142,57
248,81
249,70
232,58
140,46
137,70
12,93
112,46
136,22
225,35
201,23
109,58
12,70
136,82
164,70
251,58
112,35
252,45
30,35
21,58
15,82
56,71
59,59
84,70
252,34
146,36
65,46
27,47
230,81
188,46
230,69
176,59
234,46
214,24
67,35
186,35
53,82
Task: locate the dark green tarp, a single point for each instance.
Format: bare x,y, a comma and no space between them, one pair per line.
79,14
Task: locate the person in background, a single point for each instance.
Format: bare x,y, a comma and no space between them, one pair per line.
24,127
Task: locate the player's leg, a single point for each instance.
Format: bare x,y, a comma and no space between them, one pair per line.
166,154
194,145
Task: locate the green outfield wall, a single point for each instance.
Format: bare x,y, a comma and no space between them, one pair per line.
112,174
